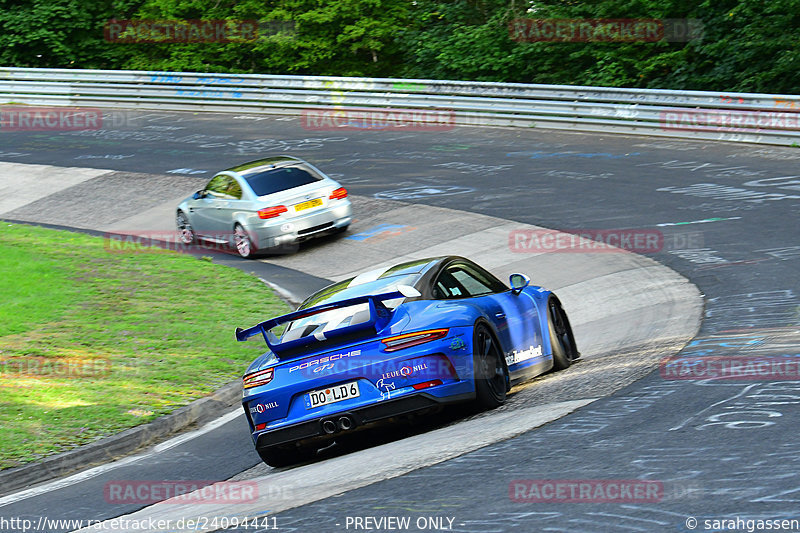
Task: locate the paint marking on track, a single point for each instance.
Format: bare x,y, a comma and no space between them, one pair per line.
96,471
366,466
704,221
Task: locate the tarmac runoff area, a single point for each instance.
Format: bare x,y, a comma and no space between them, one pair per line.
628,311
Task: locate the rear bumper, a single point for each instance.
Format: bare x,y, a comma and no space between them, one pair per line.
279,231
362,416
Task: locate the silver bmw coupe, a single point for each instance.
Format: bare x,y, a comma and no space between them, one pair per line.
269,204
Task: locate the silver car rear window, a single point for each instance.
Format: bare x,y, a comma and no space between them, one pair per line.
279,179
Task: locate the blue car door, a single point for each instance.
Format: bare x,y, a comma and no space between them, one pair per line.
514,316
519,317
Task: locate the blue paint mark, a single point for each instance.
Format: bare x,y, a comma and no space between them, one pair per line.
372,232
221,80
208,93
164,77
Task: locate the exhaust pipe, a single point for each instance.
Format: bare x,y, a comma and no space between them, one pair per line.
345,423
329,426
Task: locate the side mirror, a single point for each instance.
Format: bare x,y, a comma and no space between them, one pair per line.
199,194
518,282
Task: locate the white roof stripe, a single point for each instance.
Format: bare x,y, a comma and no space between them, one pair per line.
366,277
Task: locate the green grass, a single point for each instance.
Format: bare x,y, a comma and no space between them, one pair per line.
93,342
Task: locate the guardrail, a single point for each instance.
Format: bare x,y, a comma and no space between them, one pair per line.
743,117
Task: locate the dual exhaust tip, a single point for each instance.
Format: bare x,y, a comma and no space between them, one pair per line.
343,423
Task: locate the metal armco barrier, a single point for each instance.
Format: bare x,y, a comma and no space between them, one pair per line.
743,117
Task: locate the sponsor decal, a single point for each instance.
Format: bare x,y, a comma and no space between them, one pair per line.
517,356
405,371
261,407
457,344
323,360
385,386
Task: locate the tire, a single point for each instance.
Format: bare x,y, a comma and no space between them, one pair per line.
286,455
243,243
562,340
185,231
489,369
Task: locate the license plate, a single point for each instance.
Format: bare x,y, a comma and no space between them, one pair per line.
334,394
316,202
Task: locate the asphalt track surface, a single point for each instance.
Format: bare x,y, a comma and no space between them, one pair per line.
722,450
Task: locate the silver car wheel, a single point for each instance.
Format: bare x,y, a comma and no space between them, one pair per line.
186,233
242,241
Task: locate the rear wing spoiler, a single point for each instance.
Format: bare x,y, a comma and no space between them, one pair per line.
379,317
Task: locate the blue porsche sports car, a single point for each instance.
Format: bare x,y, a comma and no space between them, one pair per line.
397,341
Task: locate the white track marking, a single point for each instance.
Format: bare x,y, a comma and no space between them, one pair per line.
96,471
364,467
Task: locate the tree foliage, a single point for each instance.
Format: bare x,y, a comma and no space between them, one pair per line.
747,45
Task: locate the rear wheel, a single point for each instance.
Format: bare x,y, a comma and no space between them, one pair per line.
489,368
561,339
243,242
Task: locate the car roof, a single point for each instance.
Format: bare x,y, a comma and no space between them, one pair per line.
411,272
258,165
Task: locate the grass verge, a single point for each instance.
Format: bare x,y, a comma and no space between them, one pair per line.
93,342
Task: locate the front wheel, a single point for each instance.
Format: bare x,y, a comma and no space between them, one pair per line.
562,340
489,369
185,231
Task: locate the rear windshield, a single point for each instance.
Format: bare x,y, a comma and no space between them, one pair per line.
343,291
279,179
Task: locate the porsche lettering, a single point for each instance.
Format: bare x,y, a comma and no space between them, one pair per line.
324,360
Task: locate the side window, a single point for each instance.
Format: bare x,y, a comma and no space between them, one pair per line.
217,186
234,191
462,281
447,287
